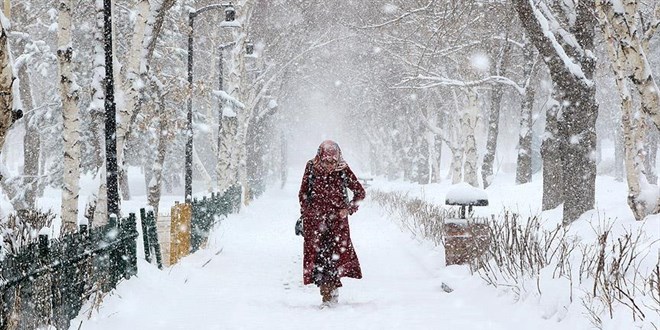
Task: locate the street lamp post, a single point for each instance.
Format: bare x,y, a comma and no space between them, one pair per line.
229,17
110,120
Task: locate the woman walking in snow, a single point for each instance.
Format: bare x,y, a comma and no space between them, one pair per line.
324,205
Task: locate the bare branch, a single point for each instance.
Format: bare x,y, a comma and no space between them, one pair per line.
398,19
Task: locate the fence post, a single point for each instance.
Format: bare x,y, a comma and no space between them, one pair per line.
129,242
113,256
195,228
153,238
145,235
41,285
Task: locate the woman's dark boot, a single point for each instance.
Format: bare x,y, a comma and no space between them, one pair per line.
326,293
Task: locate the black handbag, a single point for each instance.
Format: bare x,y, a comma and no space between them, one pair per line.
299,227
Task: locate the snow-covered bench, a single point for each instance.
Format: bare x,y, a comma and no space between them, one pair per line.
466,196
465,237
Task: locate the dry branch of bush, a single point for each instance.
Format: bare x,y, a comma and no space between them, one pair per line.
420,217
610,273
22,228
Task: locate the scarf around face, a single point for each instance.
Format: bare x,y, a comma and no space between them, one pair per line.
328,150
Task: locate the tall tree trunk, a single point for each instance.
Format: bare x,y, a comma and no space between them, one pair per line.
131,86
283,159
437,145
575,91
493,132
619,153
651,152
238,89
551,153
97,112
630,40
71,134
524,162
31,140
633,126
7,116
469,129
494,116
165,136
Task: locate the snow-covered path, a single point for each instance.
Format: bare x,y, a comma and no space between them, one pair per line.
249,277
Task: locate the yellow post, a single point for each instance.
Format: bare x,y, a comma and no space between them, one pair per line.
180,231
7,9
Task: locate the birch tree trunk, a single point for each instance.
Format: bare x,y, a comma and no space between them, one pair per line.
630,40
231,166
628,59
7,116
132,86
454,142
469,131
97,111
651,152
31,140
437,145
69,97
165,137
619,153
632,128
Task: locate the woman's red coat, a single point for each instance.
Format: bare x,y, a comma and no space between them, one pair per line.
328,199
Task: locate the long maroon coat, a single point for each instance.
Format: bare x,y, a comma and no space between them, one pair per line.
323,210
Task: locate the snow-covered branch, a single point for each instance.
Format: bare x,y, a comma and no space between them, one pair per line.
547,25
430,81
226,98
399,18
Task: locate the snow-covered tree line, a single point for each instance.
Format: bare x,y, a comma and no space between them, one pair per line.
63,122
407,79
479,78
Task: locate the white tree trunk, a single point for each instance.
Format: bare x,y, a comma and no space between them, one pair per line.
632,126
6,81
630,41
469,124
629,59
432,161
71,134
97,109
101,209
232,153
165,138
132,84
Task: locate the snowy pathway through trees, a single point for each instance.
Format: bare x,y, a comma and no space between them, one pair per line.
249,277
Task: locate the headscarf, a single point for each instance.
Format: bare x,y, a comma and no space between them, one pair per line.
328,149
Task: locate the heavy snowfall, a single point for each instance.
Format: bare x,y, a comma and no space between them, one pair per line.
152,154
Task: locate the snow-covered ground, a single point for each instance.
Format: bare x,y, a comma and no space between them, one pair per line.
249,276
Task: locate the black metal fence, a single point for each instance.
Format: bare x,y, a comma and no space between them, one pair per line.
46,282
207,211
